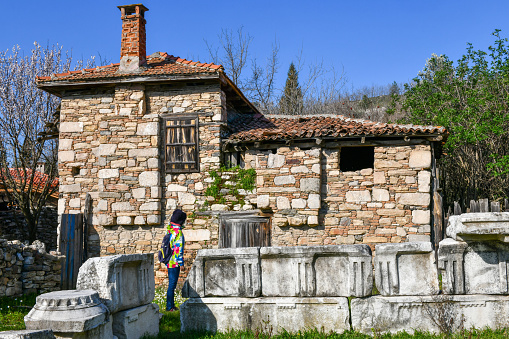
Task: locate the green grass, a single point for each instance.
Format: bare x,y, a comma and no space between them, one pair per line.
13,310
169,327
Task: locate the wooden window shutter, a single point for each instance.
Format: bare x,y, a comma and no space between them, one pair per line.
181,145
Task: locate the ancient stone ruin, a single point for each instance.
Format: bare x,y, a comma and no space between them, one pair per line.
298,288
113,299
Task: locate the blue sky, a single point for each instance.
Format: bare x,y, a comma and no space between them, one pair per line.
377,42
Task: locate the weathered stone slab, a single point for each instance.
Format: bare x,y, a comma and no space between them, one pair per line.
479,226
406,269
474,267
226,272
123,281
27,334
292,314
411,313
135,322
70,312
328,271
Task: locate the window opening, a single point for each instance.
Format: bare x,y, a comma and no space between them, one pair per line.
181,145
356,158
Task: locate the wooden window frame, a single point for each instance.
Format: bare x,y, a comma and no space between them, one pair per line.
196,162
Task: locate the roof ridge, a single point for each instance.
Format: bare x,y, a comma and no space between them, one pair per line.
184,61
157,55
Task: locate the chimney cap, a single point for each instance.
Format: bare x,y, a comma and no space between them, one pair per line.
133,7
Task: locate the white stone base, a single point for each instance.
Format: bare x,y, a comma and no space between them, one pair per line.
135,322
100,332
292,314
411,313
27,334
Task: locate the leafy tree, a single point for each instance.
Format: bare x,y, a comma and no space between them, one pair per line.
24,112
365,103
394,89
469,98
292,101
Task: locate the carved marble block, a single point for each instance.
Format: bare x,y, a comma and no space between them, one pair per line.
71,314
322,271
226,272
473,267
255,314
487,226
406,269
123,281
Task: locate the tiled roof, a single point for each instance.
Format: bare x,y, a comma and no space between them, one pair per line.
157,64
40,178
259,128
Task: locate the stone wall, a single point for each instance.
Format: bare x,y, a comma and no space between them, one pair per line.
111,147
46,229
28,269
314,203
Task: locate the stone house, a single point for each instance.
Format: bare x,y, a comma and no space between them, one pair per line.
148,134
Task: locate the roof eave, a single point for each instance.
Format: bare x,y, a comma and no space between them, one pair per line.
237,91
432,137
57,87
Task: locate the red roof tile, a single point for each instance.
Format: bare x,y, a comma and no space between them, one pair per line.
157,63
40,178
258,128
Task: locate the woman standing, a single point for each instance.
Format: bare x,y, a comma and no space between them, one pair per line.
177,221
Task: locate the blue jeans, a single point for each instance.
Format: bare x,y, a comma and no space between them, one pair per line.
173,277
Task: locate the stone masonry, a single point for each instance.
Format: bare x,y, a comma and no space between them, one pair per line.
110,147
314,203
28,269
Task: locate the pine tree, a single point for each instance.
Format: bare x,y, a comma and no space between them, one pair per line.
292,101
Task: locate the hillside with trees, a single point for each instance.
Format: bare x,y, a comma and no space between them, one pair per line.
470,99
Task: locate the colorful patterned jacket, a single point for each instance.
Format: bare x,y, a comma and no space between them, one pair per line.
177,243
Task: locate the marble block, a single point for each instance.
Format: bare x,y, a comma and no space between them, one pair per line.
321,271
406,269
225,272
261,314
123,281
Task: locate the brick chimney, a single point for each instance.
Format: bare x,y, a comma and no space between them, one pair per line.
133,49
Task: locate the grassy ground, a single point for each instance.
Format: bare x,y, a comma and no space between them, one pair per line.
12,311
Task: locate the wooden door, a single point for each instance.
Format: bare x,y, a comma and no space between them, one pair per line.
71,245
249,231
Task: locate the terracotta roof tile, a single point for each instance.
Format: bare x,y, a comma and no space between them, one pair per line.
40,178
157,63
259,128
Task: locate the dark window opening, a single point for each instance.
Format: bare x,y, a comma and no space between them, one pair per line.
75,170
181,144
232,159
356,158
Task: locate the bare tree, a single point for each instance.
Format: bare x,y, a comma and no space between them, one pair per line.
232,53
24,112
261,87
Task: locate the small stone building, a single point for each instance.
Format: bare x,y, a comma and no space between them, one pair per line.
151,133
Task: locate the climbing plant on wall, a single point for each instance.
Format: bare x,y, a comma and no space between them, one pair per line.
227,183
